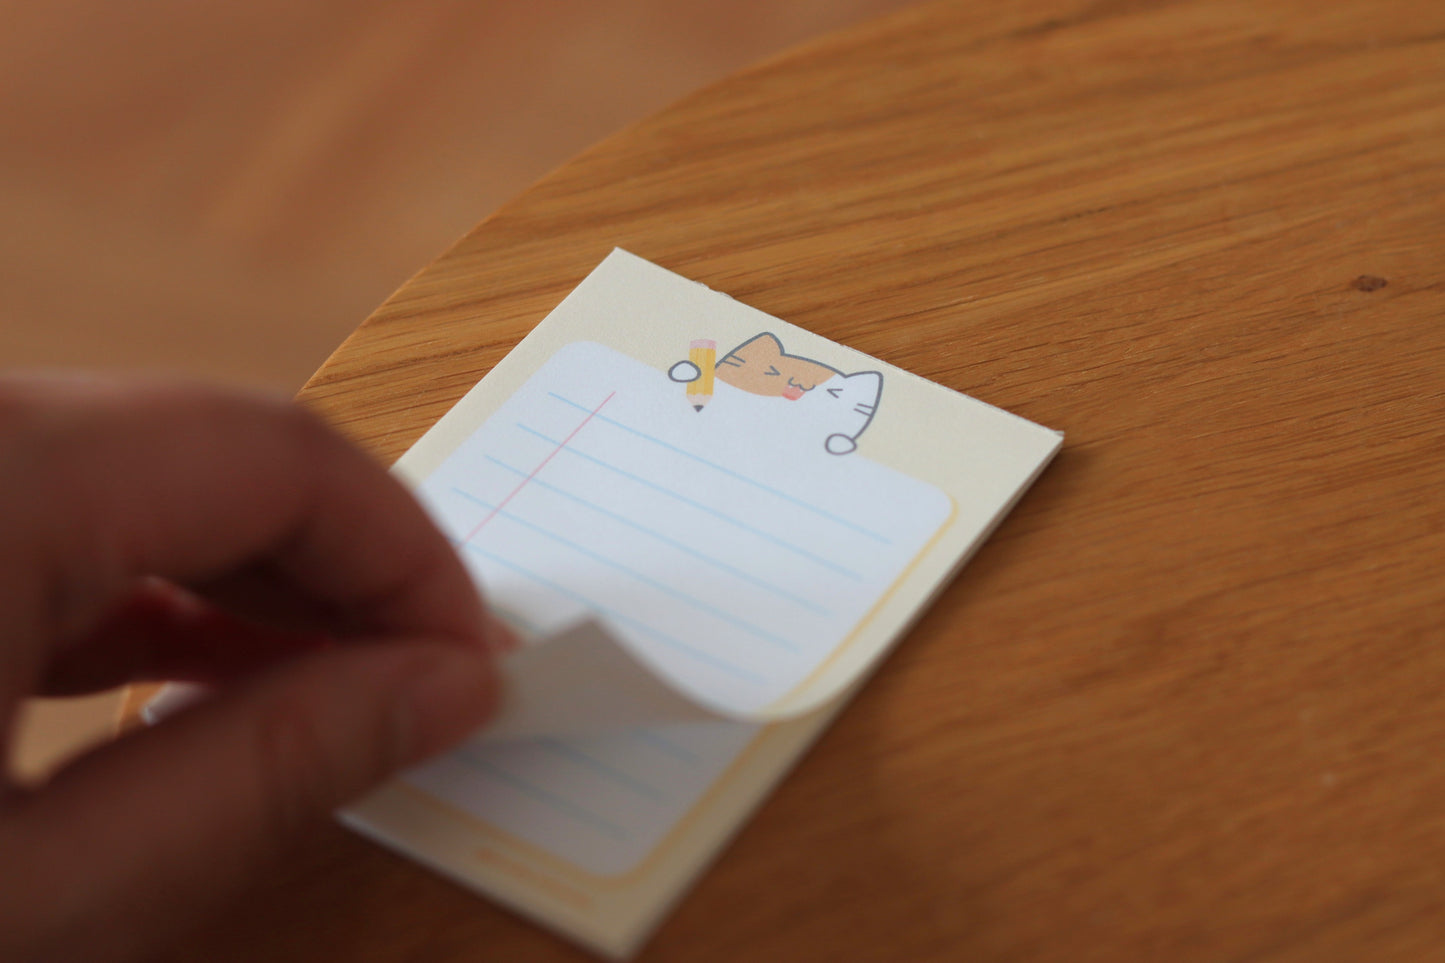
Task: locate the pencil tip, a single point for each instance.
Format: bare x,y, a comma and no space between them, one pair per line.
697,407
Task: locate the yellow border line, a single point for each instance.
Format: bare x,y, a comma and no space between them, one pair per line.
883,599
533,875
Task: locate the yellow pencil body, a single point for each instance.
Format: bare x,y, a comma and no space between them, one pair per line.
702,353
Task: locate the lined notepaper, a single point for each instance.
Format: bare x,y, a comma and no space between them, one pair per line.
602,803
727,548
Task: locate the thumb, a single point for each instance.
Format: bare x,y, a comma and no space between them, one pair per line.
134,839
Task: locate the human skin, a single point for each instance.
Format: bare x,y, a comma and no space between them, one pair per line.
161,531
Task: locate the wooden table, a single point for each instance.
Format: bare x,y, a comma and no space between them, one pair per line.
1185,704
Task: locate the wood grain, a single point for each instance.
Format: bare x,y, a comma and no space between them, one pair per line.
224,189
1185,704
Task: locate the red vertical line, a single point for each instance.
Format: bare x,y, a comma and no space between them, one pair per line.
523,483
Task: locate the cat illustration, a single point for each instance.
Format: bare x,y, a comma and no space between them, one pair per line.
760,366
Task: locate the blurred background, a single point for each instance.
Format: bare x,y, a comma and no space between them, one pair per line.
226,189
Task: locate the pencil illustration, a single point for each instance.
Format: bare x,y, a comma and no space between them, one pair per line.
703,354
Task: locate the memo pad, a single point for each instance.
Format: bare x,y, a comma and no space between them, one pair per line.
707,525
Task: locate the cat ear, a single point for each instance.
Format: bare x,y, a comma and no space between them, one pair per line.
685,372
839,444
868,380
766,345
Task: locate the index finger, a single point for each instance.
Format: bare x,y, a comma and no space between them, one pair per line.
115,481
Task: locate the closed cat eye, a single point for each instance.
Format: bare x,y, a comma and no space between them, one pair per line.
773,371
835,392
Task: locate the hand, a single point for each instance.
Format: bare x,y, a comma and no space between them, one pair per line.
345,638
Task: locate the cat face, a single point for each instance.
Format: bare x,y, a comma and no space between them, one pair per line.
760,366
834,405
846,404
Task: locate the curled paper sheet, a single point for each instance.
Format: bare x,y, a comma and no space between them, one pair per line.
586,681
581,681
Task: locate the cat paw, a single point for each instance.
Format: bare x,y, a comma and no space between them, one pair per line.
839,444
684,371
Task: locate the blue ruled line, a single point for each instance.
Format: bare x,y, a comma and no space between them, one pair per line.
700,655
560,803
768,536
666,540
681,596
809,506
665,746
588,761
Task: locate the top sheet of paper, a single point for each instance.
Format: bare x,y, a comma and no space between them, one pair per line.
746,514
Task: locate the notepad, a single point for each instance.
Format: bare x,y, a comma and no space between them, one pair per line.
708,525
